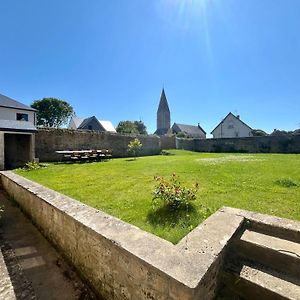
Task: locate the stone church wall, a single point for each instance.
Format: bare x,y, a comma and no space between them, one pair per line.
50,140
267,144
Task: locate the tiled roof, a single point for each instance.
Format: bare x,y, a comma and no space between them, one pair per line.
190,129
8,102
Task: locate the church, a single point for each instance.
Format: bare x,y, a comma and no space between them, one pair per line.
163,122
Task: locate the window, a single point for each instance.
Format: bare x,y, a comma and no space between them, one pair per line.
230,125
90,127
22,117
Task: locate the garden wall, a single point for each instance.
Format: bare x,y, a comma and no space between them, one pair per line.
50,140
168,142
119,260
267,144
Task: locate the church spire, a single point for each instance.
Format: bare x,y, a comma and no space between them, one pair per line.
163,115
163,103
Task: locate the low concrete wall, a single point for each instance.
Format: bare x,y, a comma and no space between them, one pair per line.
267,144
168,142
119,260
50,140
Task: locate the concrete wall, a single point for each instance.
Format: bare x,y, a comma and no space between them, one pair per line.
11,114
50,140
119,260
168,142
268,144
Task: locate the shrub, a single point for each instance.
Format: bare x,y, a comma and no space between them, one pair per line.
30,166
134,147
286,182
170,193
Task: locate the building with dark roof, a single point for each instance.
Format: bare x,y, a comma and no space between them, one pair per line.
190,131
163,120
230,127
17,128
91,123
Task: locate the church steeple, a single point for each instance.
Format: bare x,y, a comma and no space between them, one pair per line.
163,115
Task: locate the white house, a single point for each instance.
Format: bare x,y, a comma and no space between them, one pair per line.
91,123
231,127
17,128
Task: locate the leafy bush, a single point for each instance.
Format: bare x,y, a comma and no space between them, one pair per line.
170,193
30,166
134,147
286,182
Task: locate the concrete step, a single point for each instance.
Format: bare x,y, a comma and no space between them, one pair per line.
251,282
279,254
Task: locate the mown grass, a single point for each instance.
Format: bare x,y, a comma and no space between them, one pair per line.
266,183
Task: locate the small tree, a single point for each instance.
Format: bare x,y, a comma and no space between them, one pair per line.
131,127
134,147
52,112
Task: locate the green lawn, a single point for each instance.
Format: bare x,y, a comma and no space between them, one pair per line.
267,183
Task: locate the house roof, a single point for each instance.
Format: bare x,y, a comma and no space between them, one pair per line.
86,121
107,125
77,121
18,126
190,129
11,103
230,113
83,122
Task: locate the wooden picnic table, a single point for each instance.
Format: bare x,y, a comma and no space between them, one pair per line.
85,154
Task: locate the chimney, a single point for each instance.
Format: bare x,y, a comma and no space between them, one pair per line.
238,116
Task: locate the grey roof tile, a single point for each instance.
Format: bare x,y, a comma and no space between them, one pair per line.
8,102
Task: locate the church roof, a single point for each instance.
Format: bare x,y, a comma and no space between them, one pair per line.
190,130
163,103
11,103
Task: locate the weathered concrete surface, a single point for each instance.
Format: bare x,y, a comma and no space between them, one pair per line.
6,287
31,267
50,140
121,261
257,283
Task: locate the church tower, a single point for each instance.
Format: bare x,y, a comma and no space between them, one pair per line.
163,115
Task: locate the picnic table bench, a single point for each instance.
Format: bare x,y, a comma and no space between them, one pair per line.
79,155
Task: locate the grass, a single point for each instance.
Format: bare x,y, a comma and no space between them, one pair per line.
266,183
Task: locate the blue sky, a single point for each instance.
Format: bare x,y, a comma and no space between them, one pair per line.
111,58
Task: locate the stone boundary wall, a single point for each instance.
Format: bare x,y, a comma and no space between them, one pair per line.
48,141
168,142
119,260
266,144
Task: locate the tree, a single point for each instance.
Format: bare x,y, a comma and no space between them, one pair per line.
141,127
131,127
135,147
259,132
52,112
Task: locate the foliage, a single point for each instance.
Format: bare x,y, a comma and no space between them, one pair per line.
30,166
141,127
286,182
181,134
52,112
170,193
258,132
134,147
131,127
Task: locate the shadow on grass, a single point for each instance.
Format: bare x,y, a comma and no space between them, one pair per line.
169,216
131,159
